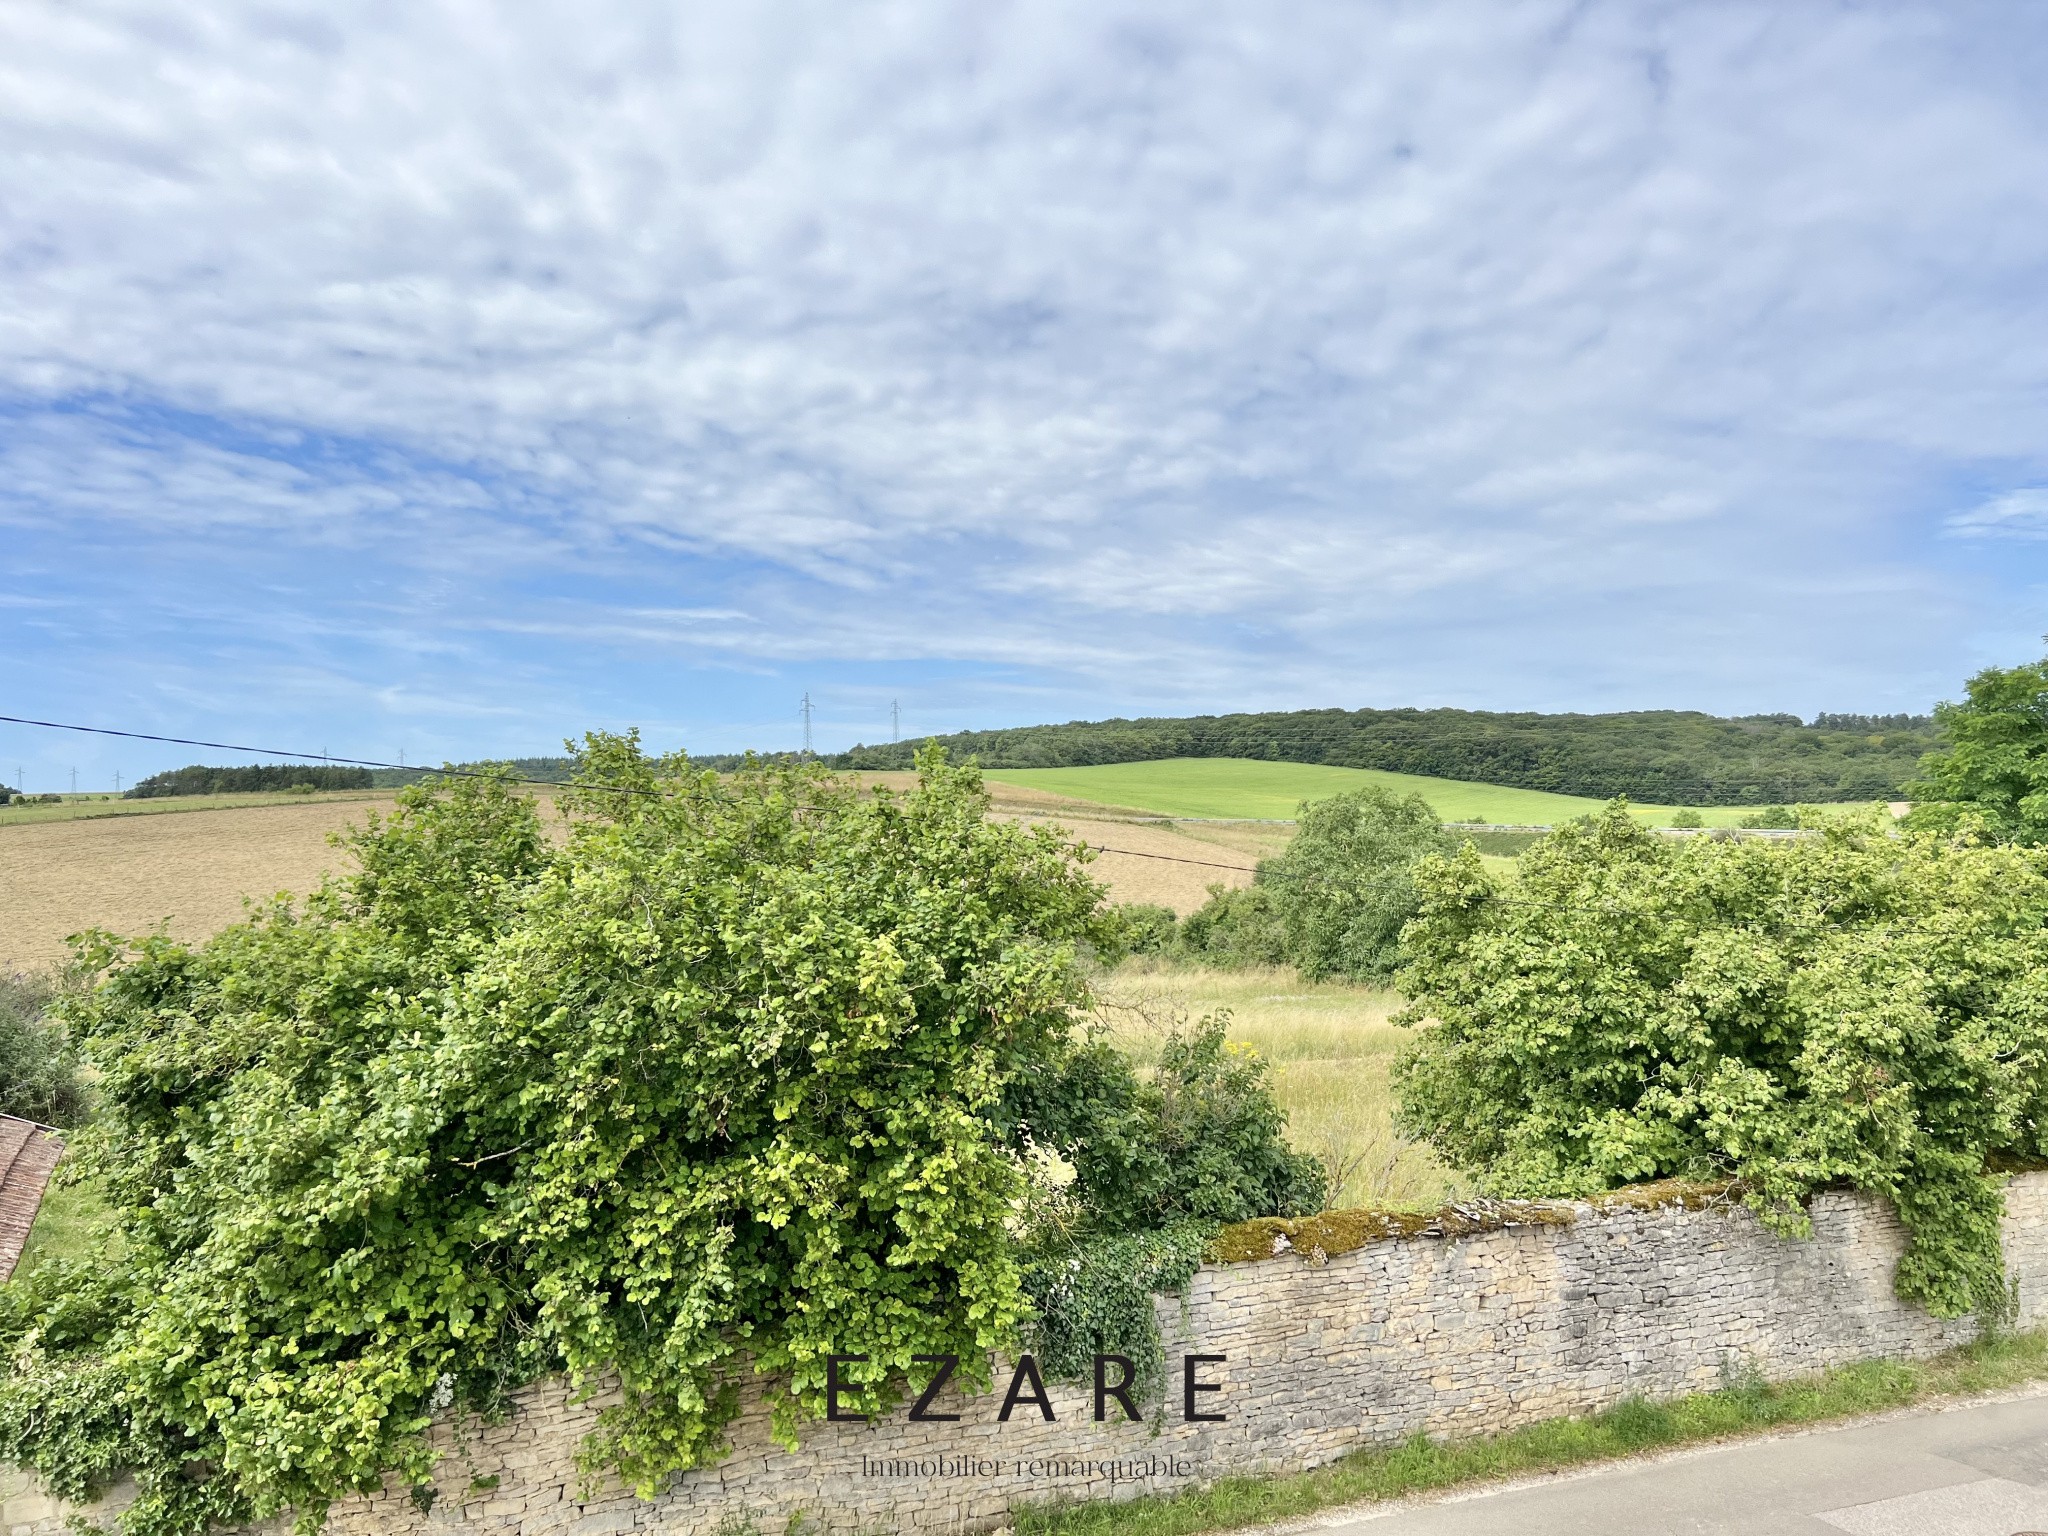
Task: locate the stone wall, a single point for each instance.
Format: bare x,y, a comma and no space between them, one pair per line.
1451,1335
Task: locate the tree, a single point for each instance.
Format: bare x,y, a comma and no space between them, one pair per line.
711,1090
1995,766
1863,1007
1343,888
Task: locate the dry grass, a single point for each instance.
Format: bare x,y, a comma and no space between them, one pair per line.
1329,1045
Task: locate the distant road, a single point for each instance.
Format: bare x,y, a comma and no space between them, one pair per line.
1977,1469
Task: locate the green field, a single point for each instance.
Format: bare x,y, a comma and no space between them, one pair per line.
1240,787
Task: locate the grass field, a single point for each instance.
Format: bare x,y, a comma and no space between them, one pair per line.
1236,786
1329,1045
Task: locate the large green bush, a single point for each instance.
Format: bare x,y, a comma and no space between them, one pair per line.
1333,903
1862,1008
717,1082
1198,1137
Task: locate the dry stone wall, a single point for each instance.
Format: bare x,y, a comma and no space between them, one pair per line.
1450,1335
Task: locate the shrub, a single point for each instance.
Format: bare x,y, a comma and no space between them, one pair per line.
1688,819
1199,1137
1235,927
39,1078
1159,1162
1143,928
1783,817
1862,1008
717,1081
1343,888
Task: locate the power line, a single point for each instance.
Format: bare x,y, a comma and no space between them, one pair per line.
623,789
353,762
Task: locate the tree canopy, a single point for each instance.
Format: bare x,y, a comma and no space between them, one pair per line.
201,780
1344,886
1994,763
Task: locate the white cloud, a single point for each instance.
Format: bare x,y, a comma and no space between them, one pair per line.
1321,351
2020,514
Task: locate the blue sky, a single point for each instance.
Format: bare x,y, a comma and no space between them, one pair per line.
447,378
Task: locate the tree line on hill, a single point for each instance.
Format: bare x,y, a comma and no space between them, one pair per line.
201,780
1652,756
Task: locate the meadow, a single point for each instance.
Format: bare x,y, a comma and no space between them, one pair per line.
1329,1046
1236,787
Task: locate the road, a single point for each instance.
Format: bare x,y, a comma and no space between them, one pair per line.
1977,1469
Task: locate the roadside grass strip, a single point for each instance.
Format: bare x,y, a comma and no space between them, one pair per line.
1631,1428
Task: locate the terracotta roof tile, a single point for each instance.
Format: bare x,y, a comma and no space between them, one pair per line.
28,1153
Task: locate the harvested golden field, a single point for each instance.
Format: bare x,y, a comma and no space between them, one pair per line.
1140,856
129,873
1329,1046
194,865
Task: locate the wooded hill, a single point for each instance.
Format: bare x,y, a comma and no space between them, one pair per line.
1669,757
1656,757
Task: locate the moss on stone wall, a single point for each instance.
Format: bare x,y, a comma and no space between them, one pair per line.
1316,1238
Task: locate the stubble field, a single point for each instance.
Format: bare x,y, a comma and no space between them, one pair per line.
132,872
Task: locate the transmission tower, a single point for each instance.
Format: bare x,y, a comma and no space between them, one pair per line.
807,723
895,721
74,781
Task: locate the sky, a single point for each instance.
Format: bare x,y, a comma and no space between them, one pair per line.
447,379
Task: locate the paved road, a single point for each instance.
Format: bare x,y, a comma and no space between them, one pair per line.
1976,1470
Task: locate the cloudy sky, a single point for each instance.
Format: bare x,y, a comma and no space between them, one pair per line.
445,378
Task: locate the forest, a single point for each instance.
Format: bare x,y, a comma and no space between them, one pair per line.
200,780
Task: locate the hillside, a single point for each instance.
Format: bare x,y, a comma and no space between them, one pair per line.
1237,787
1665,757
